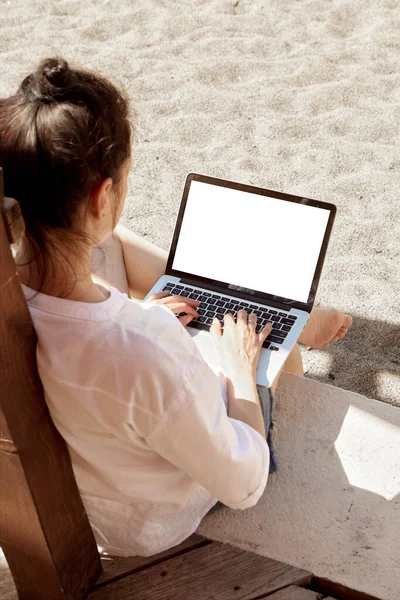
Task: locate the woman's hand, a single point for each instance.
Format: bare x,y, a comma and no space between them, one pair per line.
239,346
177,304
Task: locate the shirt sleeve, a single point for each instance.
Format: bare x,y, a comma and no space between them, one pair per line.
226,456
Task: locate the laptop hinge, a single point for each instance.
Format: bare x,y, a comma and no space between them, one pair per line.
236,294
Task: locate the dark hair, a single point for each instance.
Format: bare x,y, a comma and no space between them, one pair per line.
63,132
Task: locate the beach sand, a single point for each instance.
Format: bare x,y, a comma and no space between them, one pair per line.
297,96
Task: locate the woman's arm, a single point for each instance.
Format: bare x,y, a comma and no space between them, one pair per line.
224,454
244,403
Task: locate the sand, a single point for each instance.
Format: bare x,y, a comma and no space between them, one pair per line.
296,96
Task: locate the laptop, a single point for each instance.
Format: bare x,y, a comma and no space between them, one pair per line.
240,246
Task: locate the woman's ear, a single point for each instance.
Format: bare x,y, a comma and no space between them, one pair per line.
100,197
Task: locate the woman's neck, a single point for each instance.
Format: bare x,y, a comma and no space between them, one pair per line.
69,277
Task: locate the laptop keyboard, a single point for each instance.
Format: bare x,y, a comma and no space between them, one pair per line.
213,305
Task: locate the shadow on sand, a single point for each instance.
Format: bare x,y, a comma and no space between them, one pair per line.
366,361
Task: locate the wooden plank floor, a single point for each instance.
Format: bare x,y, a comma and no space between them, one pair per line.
199,569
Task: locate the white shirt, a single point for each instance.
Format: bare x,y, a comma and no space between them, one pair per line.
144,419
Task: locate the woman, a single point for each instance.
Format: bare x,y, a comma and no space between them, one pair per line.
155,437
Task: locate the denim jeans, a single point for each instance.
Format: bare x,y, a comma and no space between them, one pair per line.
267,401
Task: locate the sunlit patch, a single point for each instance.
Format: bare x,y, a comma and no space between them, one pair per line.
99,280
369,451
100,550
388,386
319,362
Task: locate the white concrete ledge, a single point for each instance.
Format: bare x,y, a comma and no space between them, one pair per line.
334,506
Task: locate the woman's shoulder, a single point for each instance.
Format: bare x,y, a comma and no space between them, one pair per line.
120,335
153,334
120,322
149,323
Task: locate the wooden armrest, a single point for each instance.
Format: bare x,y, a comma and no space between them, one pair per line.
45,533
12,216
13,220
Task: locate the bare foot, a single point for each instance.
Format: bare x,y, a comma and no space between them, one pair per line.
324,326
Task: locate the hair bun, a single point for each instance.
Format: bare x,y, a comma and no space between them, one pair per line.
55,71
50,82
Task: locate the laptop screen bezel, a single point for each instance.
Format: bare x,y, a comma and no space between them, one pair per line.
255,295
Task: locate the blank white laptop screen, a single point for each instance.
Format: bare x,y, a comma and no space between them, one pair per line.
252,241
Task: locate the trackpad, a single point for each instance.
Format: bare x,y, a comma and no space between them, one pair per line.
205,345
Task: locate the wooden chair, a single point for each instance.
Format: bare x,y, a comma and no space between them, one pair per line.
44,530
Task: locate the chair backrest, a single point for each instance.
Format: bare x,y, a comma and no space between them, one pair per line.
44,530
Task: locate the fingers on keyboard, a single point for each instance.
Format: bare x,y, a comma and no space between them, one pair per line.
225,309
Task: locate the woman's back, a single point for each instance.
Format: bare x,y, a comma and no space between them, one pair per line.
144,419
